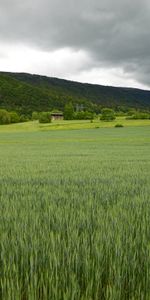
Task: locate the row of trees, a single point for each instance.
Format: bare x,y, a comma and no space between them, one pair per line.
45,117
11,117
69,114
107,114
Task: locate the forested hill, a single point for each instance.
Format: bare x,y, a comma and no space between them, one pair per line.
26,93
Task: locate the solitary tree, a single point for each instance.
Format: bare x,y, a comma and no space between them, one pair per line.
45,117
69,111
107,114
4,117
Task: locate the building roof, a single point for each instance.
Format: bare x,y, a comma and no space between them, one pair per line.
56,113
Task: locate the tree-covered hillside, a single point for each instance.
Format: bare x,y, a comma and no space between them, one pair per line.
26,93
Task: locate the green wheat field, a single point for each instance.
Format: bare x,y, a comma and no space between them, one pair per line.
75,214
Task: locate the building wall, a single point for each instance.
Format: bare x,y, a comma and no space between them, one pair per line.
57,118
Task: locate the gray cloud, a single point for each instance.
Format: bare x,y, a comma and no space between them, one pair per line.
115,33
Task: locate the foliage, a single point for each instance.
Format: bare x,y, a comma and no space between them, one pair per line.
72,125
107,115
69,111
24,118
14,117
139,116
73,227
25,93
11,117
120,113
44,117
4,117
83,115
131,112
56,111
119,125
35,115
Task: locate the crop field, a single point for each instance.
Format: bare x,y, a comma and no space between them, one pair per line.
75,214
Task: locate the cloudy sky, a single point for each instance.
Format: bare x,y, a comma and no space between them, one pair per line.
97,41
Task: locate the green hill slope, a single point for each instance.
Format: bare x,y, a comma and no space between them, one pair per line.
26,93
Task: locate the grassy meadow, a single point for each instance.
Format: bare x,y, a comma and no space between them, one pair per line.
75,211
72,125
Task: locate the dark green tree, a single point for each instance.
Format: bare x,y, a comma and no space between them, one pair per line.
68,111
84,115
35,115
107,114
14,117
45,117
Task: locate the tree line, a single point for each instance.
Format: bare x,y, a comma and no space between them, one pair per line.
69,113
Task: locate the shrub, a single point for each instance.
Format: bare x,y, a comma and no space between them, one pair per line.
107,115
119,125
14,117
4,117
83,115
35,115
45,117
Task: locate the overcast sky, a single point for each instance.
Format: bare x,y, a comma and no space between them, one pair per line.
97,41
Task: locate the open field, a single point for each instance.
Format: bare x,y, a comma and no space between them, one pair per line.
75,212
69,125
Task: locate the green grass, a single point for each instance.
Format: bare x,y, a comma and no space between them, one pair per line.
74,213
70,125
